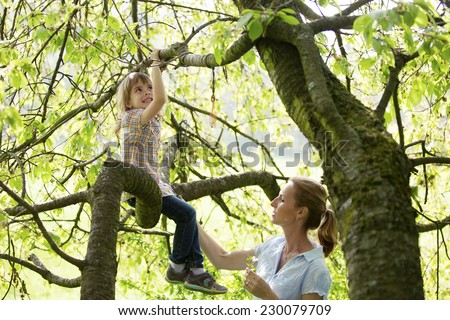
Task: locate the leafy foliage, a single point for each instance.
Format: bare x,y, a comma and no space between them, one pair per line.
57,59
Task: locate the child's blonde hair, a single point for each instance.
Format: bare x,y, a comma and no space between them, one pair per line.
124,92
124,89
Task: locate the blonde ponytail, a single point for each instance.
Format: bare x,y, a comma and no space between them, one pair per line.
327,232
312,194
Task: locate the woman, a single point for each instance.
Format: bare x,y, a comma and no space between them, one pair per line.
288,266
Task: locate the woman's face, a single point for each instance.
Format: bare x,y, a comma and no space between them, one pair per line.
140,96
285,207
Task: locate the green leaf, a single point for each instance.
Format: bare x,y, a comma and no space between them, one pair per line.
92,174
114,23
131,44
218,55
12,117
41,33
378,45
250,57
427,7
290,19
16,183
38,125
244,19
415,95
24,233
46,172
16,78
421,19
255,29
289,11
366,63
363,22
409,17
55,237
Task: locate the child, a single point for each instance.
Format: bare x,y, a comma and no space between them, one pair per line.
140,99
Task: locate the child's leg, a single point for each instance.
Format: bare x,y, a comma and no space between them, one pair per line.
186,245
186,249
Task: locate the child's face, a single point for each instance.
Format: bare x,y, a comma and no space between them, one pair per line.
140,96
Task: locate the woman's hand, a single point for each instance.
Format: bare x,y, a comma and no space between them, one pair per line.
258,286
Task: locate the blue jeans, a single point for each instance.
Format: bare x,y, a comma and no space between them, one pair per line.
186,245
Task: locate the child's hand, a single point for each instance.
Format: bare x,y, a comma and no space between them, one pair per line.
155,55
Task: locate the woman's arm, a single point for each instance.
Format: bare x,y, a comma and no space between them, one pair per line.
219,257
159,92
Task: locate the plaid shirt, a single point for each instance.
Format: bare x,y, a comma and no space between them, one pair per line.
141,145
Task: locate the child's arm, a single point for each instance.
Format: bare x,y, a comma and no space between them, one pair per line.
220,258
159,92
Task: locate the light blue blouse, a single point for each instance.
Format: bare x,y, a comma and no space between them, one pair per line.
304,273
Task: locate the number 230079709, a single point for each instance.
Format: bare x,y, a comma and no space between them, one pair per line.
296,309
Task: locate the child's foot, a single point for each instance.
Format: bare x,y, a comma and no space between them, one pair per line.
176,277
204,283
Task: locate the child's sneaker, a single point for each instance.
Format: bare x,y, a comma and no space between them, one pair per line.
174,277
204,283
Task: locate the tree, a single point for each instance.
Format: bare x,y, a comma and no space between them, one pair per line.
58,94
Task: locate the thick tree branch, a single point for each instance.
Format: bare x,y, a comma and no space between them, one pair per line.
332,24
324,105
62,202
306,11
186,58
429,160
40,269
198,189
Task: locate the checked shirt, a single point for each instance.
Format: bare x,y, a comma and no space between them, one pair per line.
140,145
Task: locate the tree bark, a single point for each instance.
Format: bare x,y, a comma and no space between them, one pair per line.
365,170
98,276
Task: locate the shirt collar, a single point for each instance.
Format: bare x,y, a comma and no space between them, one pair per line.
313,254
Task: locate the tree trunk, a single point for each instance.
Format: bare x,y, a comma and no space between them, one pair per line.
365,170
98,276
